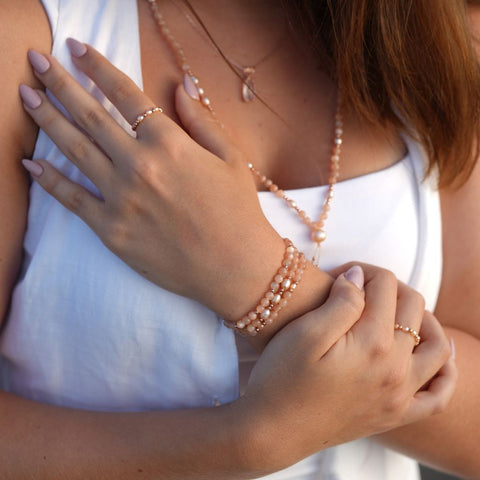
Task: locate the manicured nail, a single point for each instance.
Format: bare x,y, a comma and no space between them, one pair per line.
452,348
30,97
190,87
39,62
34,168
77,49
356,276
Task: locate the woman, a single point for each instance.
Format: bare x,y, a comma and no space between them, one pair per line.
111,362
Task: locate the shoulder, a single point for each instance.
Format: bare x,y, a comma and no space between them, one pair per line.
24,22
24,25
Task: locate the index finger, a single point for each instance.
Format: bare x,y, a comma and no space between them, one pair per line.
87,112
120,89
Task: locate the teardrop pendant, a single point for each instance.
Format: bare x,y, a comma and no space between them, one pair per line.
248,87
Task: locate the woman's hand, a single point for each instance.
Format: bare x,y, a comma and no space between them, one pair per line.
183,214
342,372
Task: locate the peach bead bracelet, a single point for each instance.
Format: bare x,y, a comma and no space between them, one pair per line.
281,288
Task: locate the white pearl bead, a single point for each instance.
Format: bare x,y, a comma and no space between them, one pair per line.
265,314
318,236
276,299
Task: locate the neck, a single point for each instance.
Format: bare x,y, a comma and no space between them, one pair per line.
234,23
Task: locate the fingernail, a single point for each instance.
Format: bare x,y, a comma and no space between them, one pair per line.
356,276
77,49
30,97
38,61
34,168
190,87
452,348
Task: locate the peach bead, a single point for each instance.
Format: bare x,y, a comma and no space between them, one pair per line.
274,286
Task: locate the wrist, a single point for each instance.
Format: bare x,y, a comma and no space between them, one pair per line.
255,441
310,293
240,278
242,273
280,290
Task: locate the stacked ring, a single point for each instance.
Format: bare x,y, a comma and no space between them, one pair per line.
410,331
144,115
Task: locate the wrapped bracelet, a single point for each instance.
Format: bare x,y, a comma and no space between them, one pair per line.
277,296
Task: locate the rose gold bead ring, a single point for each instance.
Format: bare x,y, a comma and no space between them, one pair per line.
410,331
144,115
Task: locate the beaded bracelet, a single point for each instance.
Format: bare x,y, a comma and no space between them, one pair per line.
281,289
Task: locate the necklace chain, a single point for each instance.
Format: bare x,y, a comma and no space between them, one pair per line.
318,234
246,71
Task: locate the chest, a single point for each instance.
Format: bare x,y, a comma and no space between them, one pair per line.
287,131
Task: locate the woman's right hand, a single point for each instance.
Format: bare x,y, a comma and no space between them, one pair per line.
179,208
342,372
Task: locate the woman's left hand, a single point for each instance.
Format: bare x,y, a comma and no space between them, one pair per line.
206,225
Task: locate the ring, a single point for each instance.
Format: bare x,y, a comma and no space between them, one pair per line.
410,331
144,115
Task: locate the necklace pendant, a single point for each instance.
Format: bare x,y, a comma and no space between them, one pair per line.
319,236
316,255
248,87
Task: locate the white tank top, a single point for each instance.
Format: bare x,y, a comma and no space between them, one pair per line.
85,331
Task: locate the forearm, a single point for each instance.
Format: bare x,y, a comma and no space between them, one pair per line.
44,442
449,441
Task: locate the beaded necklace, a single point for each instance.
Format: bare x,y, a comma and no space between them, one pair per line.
317,231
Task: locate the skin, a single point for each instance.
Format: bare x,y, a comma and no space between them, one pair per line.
14,182
112,443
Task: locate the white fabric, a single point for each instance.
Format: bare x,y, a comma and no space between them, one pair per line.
85,331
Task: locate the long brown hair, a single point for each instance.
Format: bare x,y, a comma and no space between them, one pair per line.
405,59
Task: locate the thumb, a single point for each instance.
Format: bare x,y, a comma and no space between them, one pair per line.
198,120
323,327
